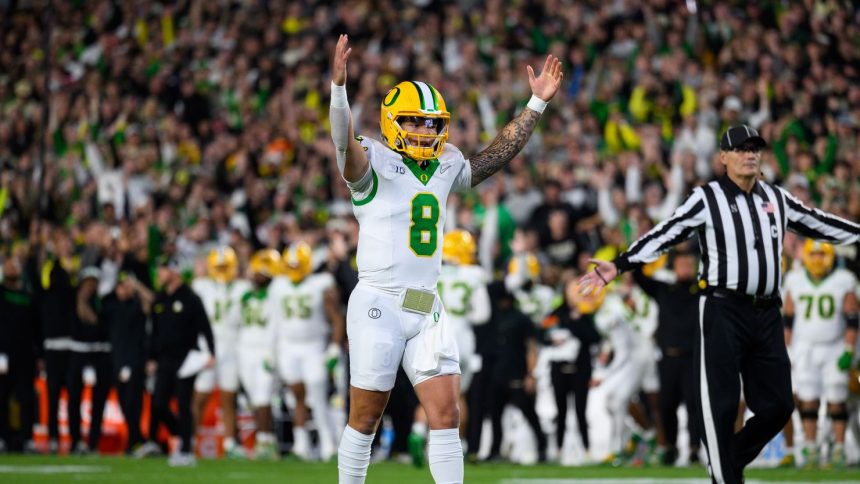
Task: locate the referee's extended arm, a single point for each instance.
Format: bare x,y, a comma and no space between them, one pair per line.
687,218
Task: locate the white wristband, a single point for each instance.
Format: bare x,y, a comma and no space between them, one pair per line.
536,104
338,96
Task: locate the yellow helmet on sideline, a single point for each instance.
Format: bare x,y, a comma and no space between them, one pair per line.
458,247
423,102
527,264
222,264
818,258
297,261
265,262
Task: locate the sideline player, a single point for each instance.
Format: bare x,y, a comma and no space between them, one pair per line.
399,190
256,346
221,293
821,314
309,331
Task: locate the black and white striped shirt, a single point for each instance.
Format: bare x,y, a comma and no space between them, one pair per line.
740,234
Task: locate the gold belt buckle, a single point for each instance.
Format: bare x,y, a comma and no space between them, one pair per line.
418,301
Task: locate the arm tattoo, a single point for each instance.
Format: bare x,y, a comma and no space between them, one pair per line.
506,145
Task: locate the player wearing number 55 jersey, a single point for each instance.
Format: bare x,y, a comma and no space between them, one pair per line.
399,190
820,312
221,294
309,331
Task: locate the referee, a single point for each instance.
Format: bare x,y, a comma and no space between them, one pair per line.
740,222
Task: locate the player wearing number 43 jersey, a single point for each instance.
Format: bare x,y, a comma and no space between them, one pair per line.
309,331
820,313
399,190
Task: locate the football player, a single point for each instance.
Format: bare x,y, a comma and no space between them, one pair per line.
221,293
523,281
617,371
399,189
462,286
309,330
820,309
256,347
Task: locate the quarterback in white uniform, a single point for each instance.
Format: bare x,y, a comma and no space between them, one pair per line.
399,190
221,294
256,347
309,330
820,311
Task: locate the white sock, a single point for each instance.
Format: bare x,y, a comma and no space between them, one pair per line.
353,456
419,428
229,443
266,437
445,456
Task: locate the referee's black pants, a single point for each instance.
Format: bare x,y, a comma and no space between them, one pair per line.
740,339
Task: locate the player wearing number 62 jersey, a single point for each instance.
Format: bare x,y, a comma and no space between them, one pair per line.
399,190
820,313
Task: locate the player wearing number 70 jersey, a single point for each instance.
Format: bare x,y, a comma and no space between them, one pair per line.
820,312
399,190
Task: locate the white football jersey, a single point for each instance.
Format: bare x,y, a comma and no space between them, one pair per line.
401,215
463,290
536,303
299,309
612,321
818,307
222,301
257,315
644,316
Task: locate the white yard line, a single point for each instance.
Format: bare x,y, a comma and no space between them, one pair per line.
51,469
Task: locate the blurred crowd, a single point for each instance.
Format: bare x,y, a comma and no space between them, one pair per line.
131,131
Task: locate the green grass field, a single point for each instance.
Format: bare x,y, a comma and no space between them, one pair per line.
15,469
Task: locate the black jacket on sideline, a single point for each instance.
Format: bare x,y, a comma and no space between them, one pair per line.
126,323
679,311
177,321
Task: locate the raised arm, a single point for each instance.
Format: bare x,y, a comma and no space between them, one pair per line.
516,133
818,225
351,159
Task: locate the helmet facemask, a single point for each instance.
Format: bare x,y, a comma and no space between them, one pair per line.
418,146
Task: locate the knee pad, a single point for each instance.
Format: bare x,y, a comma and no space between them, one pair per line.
840,415
809,414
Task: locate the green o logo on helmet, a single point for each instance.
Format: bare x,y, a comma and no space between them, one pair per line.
396,92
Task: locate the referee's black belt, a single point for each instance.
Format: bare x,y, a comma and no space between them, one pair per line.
761,302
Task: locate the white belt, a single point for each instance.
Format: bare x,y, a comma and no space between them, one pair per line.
58,344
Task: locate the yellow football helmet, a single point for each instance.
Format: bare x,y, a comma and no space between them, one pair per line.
530,271
265,262
222,264
423,102
818,258
591,302
458,247
297,261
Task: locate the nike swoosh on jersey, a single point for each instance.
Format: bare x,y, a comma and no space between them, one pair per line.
444,168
